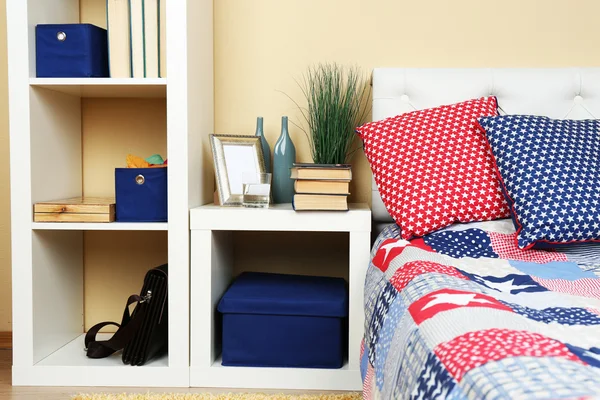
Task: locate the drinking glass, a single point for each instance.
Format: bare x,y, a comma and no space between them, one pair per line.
256,189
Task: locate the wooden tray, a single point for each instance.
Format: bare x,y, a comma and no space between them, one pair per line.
76,209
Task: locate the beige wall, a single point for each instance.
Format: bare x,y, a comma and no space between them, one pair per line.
115,262
261,46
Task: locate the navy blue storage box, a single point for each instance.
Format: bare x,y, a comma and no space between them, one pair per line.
274,320
71,51
141,194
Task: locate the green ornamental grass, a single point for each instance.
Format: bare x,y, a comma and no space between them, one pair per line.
337,104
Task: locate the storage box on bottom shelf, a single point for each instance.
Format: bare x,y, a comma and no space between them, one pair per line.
277,320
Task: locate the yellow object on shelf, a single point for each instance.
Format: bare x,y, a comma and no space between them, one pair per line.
139,162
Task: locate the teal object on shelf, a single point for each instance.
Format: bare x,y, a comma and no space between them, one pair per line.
263,144
284,157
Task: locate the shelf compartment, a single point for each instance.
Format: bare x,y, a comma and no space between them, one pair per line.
103,226
105,87
275,378
213,269
73,355
69,366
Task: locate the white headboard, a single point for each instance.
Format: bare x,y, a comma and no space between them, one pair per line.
554,92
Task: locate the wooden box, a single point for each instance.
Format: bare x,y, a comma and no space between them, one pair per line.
76,209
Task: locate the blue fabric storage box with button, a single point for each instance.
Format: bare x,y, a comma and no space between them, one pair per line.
71,51
276,320
141,194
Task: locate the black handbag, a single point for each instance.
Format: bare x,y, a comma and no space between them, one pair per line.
143,334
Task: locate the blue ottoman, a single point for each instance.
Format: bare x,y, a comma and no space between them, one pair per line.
275,320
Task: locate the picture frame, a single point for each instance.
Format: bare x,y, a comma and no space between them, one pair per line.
232,156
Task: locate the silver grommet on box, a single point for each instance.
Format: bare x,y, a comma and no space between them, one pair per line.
61,36
140,179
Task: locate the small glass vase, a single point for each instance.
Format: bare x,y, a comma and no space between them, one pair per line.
257,189
284,157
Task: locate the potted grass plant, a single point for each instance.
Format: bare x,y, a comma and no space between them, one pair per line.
336,99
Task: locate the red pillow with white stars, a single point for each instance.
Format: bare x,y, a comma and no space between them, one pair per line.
433,167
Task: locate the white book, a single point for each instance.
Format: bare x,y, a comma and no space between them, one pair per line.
136,14
151,37
117,22
162,43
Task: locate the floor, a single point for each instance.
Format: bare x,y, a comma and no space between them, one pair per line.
8,392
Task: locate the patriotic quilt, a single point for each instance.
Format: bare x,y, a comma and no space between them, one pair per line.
464,313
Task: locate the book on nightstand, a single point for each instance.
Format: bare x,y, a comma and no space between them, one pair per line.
309,186
339,172
321,187
320,202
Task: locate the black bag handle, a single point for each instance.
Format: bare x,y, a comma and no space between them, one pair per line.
127,330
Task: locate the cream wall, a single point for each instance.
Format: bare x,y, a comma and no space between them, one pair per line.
115,262
261,46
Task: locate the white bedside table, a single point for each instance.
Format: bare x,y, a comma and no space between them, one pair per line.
211,274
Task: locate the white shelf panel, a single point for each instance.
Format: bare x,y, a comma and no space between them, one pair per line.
69,366
100,226
275,378
73,355
280,217
105,87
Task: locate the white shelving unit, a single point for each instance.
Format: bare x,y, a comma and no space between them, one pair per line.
48,258
212,271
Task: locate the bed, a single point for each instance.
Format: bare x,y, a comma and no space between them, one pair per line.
463,312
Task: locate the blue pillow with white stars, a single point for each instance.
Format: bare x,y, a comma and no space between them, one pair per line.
550,173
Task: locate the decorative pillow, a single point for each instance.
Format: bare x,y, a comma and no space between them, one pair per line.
550,172
433,167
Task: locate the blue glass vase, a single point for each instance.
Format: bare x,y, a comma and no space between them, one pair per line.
284,157
263,143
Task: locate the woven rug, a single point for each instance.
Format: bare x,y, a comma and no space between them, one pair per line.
222,396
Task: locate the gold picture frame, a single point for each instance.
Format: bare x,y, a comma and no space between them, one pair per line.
232,156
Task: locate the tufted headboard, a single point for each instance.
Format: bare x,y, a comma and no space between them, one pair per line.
554,92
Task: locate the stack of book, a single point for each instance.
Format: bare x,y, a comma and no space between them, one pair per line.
136,38
321,187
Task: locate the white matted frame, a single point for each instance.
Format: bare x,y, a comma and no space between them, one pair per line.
234,155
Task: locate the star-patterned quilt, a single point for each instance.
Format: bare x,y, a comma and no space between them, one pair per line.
463,313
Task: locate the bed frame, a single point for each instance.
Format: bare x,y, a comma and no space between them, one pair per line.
554,92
